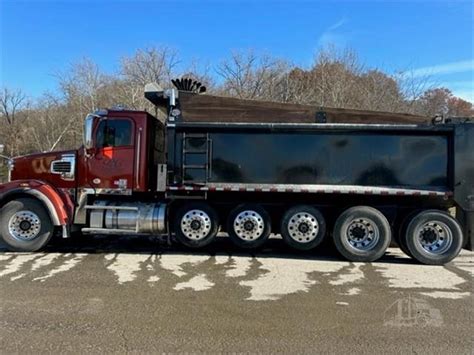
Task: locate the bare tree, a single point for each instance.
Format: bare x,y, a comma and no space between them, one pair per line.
247,75
11,101
83,85
441,101
201,73
154,64
14,113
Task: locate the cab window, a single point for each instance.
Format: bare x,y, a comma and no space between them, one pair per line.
114,133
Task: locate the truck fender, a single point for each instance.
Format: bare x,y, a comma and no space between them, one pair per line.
58,205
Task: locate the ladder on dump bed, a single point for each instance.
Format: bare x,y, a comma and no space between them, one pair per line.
196,158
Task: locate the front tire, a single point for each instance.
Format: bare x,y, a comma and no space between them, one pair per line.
433,237
25,225
362,234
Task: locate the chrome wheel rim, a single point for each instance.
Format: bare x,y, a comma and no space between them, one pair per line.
303,227
362,234
24,225
248,225
434,237
196,224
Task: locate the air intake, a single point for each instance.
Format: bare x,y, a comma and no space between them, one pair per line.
64,167
61,167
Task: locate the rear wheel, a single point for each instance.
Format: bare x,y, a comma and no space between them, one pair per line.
249,226
433,237
362,233
303,227
25,225
196,225
400,236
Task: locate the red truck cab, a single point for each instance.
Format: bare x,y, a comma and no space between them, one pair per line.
121,148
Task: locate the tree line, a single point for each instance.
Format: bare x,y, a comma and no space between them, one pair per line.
336,78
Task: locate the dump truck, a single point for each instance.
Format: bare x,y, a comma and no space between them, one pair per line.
250,169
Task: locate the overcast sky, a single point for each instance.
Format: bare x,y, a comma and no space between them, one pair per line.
434,38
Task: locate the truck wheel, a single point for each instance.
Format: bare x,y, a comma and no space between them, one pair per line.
25,225
433,237
196,225
362,233
303,227
400,238
249,226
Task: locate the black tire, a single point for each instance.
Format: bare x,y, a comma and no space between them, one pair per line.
250,214
443,237
314,227
203,217
362,234
400,239
25,225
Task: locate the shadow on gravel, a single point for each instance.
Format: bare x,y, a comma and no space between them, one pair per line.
274,248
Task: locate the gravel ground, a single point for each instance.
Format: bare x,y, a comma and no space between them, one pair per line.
123,294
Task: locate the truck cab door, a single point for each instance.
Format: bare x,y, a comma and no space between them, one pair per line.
110,167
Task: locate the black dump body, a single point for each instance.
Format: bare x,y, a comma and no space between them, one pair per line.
384,156
222,144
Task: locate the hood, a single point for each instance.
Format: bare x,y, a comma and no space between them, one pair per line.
38,166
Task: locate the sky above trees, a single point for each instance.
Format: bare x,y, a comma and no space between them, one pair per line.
429,38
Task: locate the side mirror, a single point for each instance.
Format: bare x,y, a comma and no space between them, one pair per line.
88,126
88,141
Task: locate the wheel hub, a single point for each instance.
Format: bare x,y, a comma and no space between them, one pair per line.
24,225
303,227
196,224
428,236
362,234
359,232
248,225
434,237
